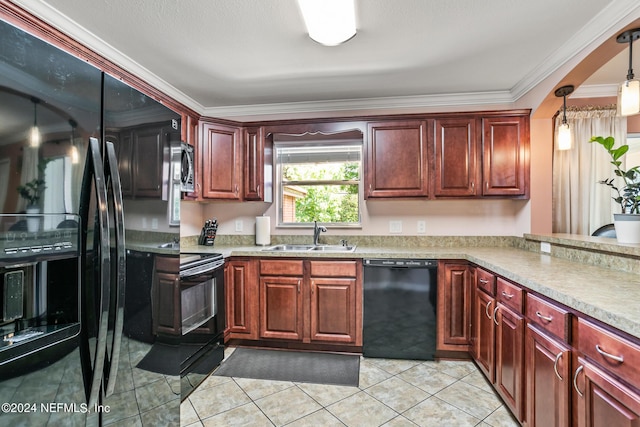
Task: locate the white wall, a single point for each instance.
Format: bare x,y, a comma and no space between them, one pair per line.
147,215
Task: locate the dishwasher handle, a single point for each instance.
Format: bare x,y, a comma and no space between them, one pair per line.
401,263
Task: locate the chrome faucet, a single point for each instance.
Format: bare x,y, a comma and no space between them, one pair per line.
316,232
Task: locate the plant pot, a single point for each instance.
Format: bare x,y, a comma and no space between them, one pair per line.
627,228
33,219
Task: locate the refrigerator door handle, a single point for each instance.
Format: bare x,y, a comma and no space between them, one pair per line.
118,290
93,361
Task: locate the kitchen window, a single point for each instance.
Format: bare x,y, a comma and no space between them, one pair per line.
319,182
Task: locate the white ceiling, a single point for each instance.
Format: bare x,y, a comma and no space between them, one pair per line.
242,58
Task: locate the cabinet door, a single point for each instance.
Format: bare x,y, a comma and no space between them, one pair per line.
484,345
242,302
166,317
602,400
548,380
281,307
148,152
505,145
509,358
333,309
221,162
396,160
258,169
454,307
455,153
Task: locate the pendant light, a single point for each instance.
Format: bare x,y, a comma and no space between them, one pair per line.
74,154
34,133
329,22
629,90
564,131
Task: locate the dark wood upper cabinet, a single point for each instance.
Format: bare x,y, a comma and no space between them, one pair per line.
505,150
148,154
258,165
222,159
456,170
396,159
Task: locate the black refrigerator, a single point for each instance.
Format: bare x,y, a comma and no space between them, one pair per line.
72,144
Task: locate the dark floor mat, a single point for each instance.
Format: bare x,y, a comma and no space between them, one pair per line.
162,359
296,366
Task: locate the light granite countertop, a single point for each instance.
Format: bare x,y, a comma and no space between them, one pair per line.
610,296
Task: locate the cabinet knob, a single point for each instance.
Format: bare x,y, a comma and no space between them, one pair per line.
543,317
298,285
506,295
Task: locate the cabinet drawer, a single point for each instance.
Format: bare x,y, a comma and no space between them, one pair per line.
333,268
548,316
618,355
486,281
281,267
509,294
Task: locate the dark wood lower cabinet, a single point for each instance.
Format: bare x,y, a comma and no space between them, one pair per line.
281,307
509,358
454,306
548,380
602,400
333,309
166,297
241,287
484,333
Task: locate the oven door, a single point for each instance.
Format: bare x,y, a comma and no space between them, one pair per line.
202,300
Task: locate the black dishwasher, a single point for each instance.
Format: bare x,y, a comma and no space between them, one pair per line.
400,308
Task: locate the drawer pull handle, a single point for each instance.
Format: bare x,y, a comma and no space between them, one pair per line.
483,281
506,295
555,366
575,380
494,315
543,317
486,309
609,355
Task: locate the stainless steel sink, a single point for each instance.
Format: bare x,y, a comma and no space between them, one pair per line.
334,248
169,245
289,248
310,248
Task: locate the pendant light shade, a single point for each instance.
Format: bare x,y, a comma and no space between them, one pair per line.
34,133
629,90
73,153
564,131
329,22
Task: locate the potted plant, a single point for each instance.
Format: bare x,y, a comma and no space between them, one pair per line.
627,223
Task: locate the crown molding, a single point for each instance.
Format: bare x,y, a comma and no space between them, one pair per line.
595,91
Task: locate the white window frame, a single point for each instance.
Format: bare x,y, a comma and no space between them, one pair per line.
280,187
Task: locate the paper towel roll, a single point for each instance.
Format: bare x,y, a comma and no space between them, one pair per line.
263,230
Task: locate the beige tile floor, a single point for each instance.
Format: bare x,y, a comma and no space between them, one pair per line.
391,393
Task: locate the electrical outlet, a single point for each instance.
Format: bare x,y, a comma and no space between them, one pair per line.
239,225
421,227
154,223
545,247
395,226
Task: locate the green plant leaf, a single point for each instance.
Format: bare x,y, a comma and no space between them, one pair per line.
620,151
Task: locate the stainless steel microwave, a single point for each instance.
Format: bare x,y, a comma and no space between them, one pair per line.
187,168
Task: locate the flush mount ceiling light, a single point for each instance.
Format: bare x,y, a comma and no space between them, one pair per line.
629,90
329,22
34,133
564,131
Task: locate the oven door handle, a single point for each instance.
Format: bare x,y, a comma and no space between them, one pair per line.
192,273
